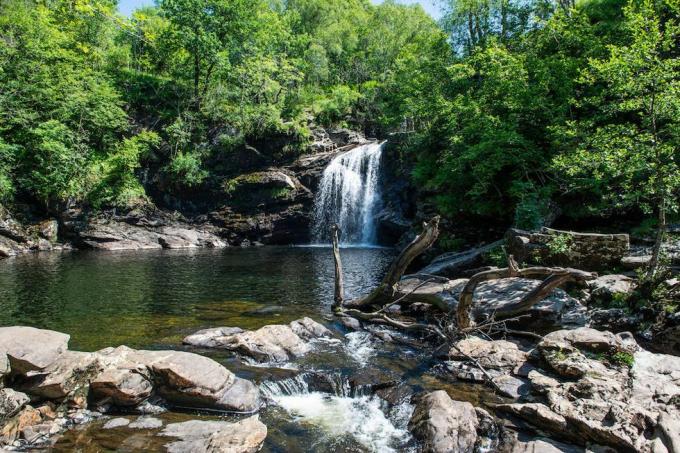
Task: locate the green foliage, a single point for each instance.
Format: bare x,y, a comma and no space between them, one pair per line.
497,257
623,359
185,169
559,245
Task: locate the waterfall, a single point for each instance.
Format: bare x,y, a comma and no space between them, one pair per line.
349,195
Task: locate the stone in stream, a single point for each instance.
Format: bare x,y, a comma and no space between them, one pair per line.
272,343
43,368
114,423
146,422
503,360
196,436
444,425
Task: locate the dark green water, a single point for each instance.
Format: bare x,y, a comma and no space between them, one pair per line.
153,299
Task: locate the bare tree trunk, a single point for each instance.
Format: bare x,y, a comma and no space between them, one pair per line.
658,242
554,278
338,296
387,288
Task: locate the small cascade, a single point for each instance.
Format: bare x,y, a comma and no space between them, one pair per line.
341,410
349,195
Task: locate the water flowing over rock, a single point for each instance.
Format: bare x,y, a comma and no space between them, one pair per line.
348,195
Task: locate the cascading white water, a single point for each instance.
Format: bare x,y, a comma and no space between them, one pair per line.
344,412
349,195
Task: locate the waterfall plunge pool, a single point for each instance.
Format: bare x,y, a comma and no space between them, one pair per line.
152,299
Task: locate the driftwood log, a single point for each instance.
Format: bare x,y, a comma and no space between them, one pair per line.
373,306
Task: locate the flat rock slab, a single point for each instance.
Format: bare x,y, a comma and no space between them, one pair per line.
114,423
30,349
273,343
196,436
146,423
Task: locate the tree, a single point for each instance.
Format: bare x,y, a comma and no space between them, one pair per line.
211,32
628,151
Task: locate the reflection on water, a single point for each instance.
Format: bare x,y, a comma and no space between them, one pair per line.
153,298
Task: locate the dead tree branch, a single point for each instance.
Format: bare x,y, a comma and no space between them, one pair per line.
553,278
387,288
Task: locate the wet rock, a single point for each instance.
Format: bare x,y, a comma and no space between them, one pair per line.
442,424
245,436
114,423
146,423
13,428
587,251
272,343
30,349
11,402
610,287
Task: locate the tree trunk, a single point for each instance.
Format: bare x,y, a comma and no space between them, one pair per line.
339,284
658,242
387,287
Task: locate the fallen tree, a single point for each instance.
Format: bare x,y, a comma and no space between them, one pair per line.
454,322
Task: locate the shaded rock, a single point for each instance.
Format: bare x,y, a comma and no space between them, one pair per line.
4,368
30,349
48,229
543,445
11,402
609,287
452,264
444,425
588,251
196,436
116,423
275,343
615,319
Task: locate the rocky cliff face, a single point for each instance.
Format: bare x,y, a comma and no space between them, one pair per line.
270,203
